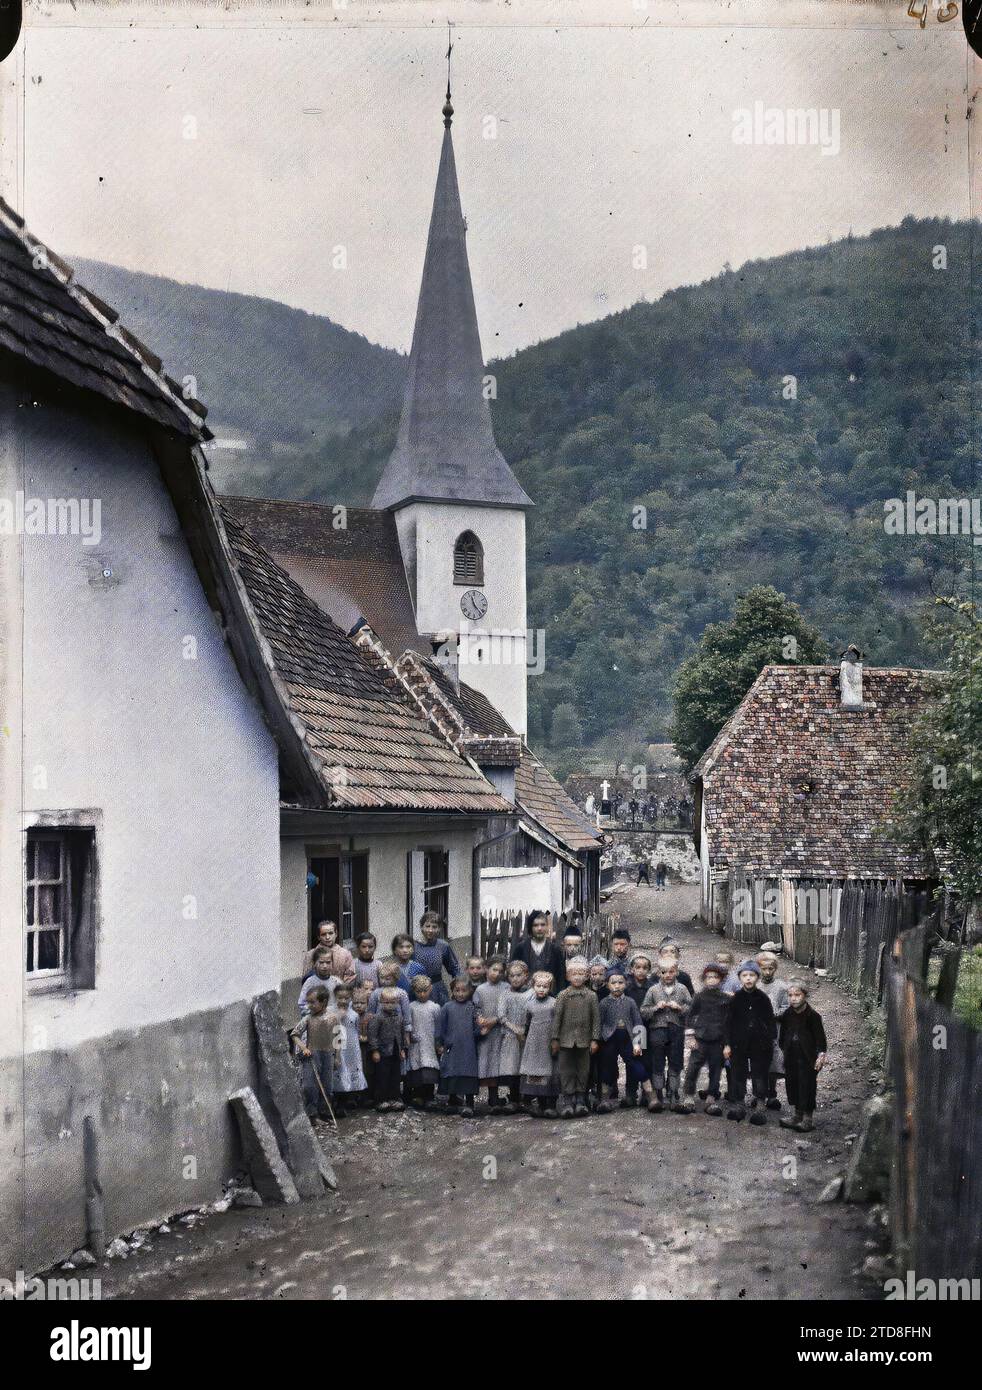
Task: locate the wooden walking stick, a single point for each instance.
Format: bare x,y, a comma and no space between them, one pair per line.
324,1094
307,1057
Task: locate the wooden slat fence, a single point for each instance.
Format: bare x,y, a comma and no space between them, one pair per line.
500,931
843,926
935,1065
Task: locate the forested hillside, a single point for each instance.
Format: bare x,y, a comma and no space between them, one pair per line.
683,407
287,379
679,407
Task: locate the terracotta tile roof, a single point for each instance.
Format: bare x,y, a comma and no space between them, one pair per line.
352,571
473,725
49,321
476,710
374,750
536,790
795,783
540,794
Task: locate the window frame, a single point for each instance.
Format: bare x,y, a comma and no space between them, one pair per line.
442,886
38,835
78,835
349,876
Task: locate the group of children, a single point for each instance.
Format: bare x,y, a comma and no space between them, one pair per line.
546,1032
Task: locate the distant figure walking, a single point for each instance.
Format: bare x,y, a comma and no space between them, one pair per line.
661,877
643,874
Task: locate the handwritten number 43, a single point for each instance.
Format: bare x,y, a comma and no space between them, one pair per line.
948,12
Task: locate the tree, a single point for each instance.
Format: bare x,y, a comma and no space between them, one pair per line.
567,732
766,628
943,805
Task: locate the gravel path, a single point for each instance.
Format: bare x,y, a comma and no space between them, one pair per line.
628,1205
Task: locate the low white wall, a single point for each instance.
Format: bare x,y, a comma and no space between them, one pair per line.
510,890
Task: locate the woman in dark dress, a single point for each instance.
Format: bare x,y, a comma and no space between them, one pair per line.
435,954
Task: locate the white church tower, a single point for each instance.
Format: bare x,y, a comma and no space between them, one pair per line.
459,509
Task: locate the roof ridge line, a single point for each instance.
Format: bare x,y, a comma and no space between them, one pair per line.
368,640
44,259
297,502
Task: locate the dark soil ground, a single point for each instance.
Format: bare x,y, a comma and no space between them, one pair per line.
628,1205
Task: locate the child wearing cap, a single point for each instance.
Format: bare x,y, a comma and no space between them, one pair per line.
777,992
707,1021
749,1043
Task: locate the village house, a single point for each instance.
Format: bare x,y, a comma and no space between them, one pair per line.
795,797
139,786
171,699
205,747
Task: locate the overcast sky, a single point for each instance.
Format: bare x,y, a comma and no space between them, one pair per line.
310,138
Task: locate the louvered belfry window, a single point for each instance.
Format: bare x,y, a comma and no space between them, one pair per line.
468,560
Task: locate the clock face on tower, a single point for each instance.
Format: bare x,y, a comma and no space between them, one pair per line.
473,605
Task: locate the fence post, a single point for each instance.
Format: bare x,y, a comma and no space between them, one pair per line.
944,994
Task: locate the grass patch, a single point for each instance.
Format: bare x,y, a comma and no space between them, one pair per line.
968,991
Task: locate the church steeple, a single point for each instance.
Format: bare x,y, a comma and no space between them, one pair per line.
445,450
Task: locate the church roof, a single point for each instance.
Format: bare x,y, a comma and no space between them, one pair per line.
357,572
368,744
352,570
445,450
49,321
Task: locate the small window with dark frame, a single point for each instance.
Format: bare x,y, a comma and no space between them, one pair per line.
339,893
436,882
60,906
468,560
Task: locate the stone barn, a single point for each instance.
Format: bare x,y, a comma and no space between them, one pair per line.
795,797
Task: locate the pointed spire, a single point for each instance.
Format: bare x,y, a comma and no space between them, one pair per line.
445,450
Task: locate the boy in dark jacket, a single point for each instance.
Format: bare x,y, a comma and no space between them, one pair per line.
387,1041
804,1046
707,1019
749,1044
621,1035
638,984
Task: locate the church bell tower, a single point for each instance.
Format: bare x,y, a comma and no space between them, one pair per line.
459,509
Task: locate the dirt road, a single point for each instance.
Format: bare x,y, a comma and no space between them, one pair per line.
628,1205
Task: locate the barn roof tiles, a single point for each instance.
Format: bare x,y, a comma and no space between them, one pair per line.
797,783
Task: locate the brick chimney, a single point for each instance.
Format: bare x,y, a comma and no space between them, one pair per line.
445,652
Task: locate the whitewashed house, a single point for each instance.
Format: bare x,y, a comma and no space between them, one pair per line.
139,848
